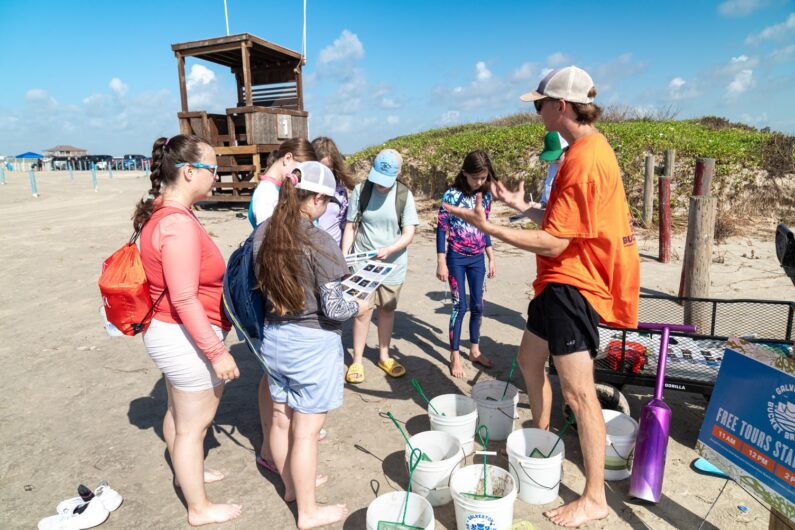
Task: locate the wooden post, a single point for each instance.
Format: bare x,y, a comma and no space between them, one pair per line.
705,170
702,181
698,258
183,88
665,219
670,160
247,74
299,87
648,191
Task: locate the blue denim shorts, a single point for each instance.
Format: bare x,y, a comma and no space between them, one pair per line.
306,366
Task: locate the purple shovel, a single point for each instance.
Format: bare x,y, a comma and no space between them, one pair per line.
651,445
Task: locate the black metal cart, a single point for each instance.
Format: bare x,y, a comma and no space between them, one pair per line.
629,356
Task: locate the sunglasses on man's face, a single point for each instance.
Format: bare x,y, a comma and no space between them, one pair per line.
539,104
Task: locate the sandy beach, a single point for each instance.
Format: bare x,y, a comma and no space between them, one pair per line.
80,406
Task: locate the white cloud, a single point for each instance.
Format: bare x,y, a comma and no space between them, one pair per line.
545,72
558,59
743,80
40,98
783,55
199,75
450,117
204,91
775,31
389,103
606,75
525,72
118,87
99,122
346,49
393,120
750,119
740,8
482,73
679,89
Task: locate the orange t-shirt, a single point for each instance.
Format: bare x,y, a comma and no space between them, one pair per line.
588,205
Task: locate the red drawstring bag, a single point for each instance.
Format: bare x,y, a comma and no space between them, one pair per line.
125,289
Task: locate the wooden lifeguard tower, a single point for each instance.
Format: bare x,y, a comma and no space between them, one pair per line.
269,107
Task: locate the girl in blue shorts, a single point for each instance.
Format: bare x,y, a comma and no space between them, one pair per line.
463,261
299,268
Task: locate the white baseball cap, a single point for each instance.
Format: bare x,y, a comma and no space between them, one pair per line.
569,84
318,178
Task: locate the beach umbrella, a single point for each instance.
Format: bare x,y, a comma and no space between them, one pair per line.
27,156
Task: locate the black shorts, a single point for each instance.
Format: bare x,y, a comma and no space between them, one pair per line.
563,317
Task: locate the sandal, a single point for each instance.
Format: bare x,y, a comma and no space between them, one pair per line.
355,374
392,368
267,465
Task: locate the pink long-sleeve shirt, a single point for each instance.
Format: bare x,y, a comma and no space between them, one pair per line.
177,253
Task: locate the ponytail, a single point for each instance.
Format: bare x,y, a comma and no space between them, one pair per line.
283,252
166,153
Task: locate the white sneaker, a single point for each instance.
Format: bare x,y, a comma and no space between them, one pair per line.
87,515
107,496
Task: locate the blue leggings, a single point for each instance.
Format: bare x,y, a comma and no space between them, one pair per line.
471,269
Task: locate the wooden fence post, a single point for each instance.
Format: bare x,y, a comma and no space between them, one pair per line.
698,258
665,219
648,191
702,182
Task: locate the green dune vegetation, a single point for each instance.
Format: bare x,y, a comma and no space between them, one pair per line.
754,177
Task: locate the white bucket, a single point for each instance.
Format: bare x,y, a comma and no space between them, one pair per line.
389,507
538,478
483,514
431,479
460,418
495,413
621,433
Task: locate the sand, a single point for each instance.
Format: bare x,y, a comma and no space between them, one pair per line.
79,406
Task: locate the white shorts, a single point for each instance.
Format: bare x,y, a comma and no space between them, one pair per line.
175,354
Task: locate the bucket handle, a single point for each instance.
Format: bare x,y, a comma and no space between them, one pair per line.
462,459
519,482
440,488
629,455
508,415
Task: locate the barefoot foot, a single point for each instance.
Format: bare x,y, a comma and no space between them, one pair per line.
577,513
322,516
210,476
214,513
289,495
456,368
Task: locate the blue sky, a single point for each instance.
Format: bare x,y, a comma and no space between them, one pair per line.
101,75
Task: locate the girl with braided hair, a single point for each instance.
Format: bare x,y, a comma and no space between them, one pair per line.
186,337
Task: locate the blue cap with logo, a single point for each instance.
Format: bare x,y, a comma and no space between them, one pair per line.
386,168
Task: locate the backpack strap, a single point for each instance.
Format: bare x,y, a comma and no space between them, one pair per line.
364,199
167,210
401,197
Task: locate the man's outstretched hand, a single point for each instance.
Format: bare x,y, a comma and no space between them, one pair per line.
514,199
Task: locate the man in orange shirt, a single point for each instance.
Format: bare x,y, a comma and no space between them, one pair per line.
588,270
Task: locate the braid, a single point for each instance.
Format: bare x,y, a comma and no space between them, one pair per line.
145,207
